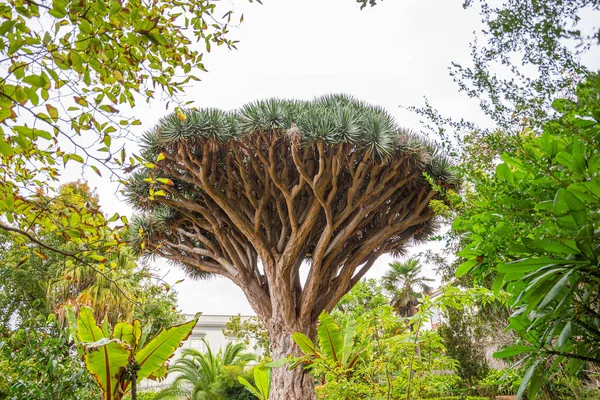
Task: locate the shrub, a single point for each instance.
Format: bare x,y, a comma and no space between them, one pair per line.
144,395
562,387
440,385
228,387
458,398
500,382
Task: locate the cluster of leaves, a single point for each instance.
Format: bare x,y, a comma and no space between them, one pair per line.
333,119
526,54
70,71
33,278
209,374
374,356
532,224
531,52
118,356
248,330
37,363
460,340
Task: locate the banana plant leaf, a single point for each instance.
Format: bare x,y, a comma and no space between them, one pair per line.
108,352
330,337
160,349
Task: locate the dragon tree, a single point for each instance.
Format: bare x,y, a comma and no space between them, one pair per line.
259,194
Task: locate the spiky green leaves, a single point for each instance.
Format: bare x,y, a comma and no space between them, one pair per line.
335,119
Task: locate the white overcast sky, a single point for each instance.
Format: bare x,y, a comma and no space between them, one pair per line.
391,55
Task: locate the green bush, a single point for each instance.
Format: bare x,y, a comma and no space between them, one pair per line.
440,385
562,387
500,382
144,395
228,387
457,398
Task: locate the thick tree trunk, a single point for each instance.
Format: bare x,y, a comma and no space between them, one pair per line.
285,384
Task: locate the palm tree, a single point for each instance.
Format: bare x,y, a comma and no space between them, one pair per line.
401,282
197,372
77,285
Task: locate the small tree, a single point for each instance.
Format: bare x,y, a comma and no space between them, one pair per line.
252,194
401,282
460,340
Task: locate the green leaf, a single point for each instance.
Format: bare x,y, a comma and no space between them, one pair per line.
525,381
348,330
570,212
513,350
306,345
330,337
5,148
124,332
564,335
52,111
166,181
465,267
96,170
556,289
504,173
262,380
37,81
250,388
156,352
526,265
87,329
103,358
98,258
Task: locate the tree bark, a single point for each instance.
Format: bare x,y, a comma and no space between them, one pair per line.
285,384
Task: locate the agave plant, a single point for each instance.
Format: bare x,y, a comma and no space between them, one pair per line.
120,356
197,372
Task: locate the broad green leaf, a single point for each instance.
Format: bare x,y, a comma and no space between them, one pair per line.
330,338
250,388
105,363
513,351
306,345
162,347
569,210
564,335
124,332
262,380
465,267
348,330
503,172
88,330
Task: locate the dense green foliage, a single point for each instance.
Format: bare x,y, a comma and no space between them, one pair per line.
406,285
71,71
37,363
461,342
246,330
531,223
333,119
209,375
117,356
373,356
